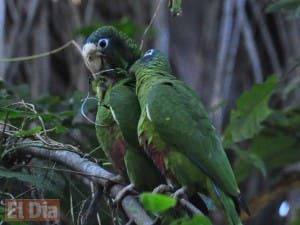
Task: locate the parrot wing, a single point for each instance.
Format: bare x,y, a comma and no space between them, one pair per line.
125,109
184,124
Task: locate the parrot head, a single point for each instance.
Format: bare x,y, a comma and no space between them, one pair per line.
152,60
108,48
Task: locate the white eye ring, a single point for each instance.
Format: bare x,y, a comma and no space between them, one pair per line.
103,43
149,52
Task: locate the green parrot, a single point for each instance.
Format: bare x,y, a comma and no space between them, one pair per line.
110,53
177,134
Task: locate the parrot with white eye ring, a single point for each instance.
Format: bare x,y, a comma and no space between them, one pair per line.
108,49
176,132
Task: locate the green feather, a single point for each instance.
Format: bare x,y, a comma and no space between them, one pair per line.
119,109
123,102
173,117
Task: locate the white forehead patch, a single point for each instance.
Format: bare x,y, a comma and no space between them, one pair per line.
149,52
87,48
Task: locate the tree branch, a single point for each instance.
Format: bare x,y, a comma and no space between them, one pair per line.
250,42
266,37
74,161
225,35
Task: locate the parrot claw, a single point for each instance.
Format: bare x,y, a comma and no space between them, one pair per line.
163,188
123,193
180,193
182,197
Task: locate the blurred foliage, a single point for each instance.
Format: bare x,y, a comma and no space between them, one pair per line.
125,25
196,220
175,7
290,7
40,119
252,109
277,144
51,114
262,137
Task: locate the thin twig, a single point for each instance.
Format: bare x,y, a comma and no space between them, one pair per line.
150,23
250,42
8,194
71,206
98,175
231,61
267,39
92,209
83,106
94,75
284,76
31,108
190,207
37,56
225,37
25,192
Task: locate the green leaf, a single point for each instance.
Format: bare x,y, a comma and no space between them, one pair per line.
290,7
252,109
48,100
66,114
47,180
60,129
276,148
283,4
15,113
197,220
175,7
296,221
248,158
26,133
277,144
157,202
2,213
22,90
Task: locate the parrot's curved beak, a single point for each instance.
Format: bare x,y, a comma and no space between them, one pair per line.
92,57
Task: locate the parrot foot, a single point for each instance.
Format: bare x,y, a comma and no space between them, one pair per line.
163,188
183,199
180,193
127,189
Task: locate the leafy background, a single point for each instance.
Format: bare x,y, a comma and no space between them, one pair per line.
241,57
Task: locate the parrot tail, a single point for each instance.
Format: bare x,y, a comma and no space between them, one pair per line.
240,203
226,203
197,201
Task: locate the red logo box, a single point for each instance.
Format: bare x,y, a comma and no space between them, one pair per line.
32,209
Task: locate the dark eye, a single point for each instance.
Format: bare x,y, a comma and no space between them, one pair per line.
149,52
103,43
